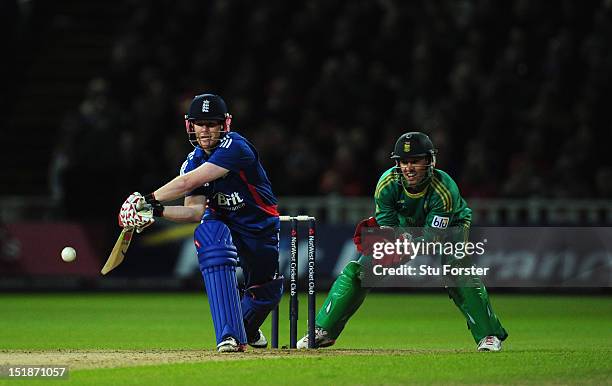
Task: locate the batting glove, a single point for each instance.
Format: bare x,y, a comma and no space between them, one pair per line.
135,214
154,205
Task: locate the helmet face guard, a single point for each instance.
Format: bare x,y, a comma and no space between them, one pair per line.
430,165
414,145
207,107
189,127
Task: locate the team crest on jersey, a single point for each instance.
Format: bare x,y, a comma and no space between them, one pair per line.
406,147
205,106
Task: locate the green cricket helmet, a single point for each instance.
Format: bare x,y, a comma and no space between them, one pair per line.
415,144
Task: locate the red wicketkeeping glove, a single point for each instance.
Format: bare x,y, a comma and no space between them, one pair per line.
367,223
394,259
381,234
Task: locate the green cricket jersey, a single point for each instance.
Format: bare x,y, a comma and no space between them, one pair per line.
439,205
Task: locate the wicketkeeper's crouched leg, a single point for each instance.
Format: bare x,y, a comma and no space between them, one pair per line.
344,299
472,299
217,258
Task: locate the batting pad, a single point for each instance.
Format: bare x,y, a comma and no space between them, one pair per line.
217,258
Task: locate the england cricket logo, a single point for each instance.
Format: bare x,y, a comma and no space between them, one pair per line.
205,106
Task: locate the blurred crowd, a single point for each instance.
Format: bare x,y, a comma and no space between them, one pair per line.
515,94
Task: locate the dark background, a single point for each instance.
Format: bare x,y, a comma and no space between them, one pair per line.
514,94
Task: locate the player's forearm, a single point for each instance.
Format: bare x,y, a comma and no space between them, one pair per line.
184,213
176,188
188,182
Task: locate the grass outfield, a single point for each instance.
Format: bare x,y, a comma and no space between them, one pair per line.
160,339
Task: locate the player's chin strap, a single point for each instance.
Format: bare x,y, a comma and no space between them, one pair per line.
227,127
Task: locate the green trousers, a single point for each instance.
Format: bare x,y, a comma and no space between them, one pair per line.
469,295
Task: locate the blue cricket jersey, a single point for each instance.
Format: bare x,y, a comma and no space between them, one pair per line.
243,198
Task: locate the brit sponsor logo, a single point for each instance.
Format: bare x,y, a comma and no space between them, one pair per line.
230,201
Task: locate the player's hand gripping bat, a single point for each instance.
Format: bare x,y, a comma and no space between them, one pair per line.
123,242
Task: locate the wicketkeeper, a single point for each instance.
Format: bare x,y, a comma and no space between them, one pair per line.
227,190
413,193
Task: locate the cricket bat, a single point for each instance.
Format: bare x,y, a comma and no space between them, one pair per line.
118,253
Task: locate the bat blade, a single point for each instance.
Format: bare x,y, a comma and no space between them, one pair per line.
118,253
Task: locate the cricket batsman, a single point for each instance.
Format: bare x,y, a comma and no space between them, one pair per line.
413,193
226,190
